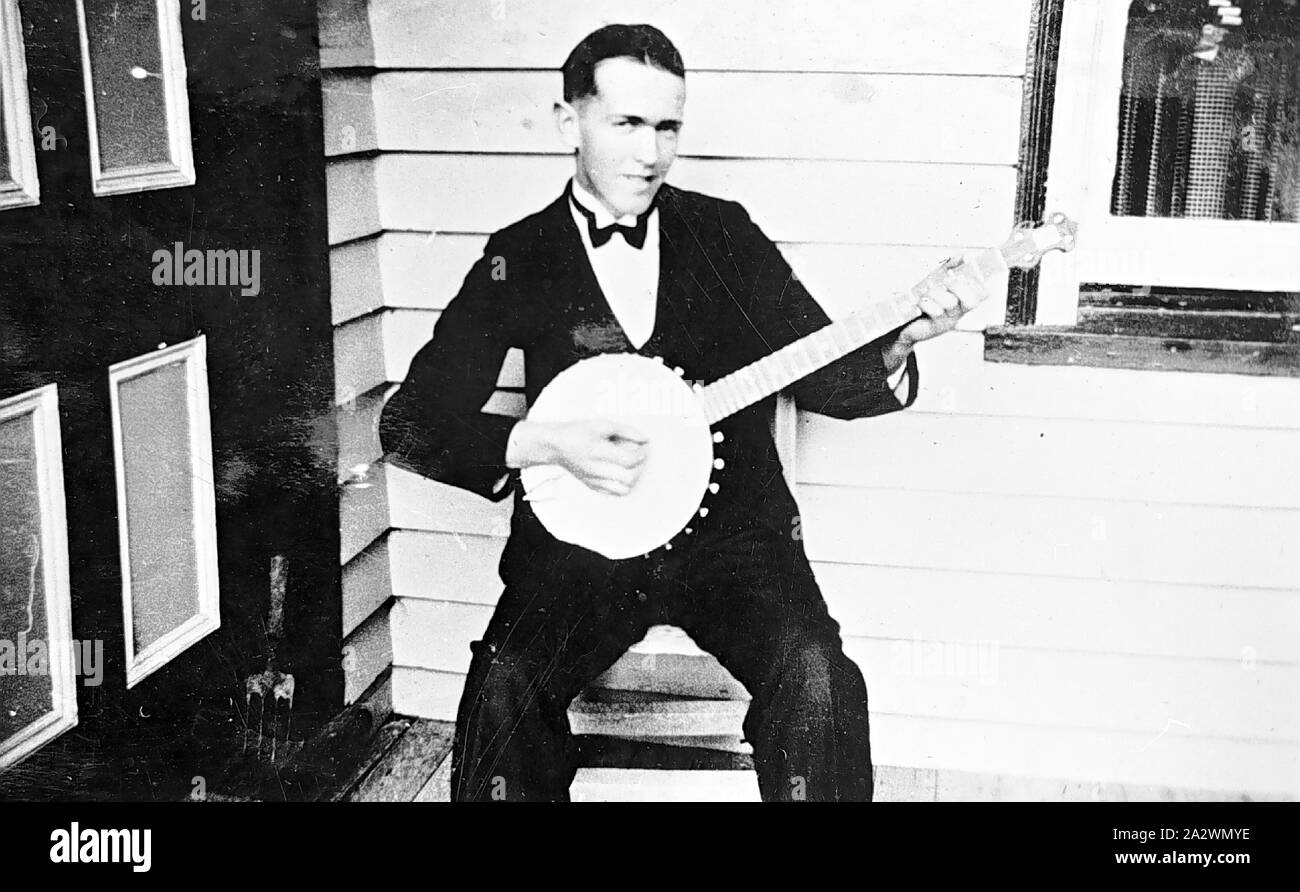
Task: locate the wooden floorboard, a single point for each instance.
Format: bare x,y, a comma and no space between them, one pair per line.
408,765
438,789
387,737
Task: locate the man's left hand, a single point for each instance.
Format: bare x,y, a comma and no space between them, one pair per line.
949,294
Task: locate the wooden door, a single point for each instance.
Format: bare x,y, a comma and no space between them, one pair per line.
165,361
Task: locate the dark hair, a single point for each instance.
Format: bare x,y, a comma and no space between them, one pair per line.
644,43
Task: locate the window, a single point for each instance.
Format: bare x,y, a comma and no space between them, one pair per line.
137,109
166,498
18,184
38,661
1171,132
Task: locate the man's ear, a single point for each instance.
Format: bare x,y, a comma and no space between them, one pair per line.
566,122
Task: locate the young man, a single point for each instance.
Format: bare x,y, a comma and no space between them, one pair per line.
622,262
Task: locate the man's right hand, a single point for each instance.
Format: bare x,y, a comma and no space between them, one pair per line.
605,455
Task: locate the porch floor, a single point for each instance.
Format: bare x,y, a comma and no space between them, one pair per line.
368,754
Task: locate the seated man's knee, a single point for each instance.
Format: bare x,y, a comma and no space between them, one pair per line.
807,667
816,675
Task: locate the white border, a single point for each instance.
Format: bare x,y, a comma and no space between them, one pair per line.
194,355
180,171
23,188
43,405
1225,254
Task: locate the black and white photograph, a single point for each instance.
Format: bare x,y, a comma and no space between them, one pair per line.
424,401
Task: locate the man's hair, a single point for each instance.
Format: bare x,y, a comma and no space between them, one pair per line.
644,43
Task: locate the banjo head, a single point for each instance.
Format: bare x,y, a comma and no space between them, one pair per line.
644,394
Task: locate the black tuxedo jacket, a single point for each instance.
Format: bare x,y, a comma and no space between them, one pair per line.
726,298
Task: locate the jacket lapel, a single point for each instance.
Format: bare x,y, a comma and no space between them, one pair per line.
571,272
679,290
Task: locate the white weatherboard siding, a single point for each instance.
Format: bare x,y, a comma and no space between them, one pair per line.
1045,573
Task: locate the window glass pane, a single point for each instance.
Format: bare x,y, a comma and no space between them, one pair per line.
1210,112
126,69
25,696
159,486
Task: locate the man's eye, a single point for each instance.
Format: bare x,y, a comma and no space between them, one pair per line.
625,125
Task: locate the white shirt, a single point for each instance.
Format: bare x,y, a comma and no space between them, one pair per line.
629,277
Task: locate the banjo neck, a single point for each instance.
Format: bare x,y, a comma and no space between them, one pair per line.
773,373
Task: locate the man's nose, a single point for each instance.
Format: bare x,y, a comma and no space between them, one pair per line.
647,146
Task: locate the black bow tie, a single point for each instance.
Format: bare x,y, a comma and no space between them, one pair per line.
634,235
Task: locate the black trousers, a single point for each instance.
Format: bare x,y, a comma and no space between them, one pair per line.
748,598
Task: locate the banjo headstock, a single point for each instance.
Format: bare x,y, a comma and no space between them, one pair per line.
1028,243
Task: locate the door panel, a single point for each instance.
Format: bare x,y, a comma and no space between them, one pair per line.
78,297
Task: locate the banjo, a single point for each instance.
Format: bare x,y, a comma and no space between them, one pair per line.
677,417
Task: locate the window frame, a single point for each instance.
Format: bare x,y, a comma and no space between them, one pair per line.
207,619
1068,155
22,187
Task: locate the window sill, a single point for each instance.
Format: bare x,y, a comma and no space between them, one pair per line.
1052,345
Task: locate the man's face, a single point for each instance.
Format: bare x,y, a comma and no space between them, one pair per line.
625,134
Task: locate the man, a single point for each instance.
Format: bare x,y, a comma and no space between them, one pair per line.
624,262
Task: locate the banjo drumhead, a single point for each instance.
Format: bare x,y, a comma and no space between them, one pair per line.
649,396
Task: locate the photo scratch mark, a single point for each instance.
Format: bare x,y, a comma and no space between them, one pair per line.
31,586
1169,724
473,103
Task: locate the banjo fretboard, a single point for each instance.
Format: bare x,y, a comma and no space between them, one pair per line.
773,373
